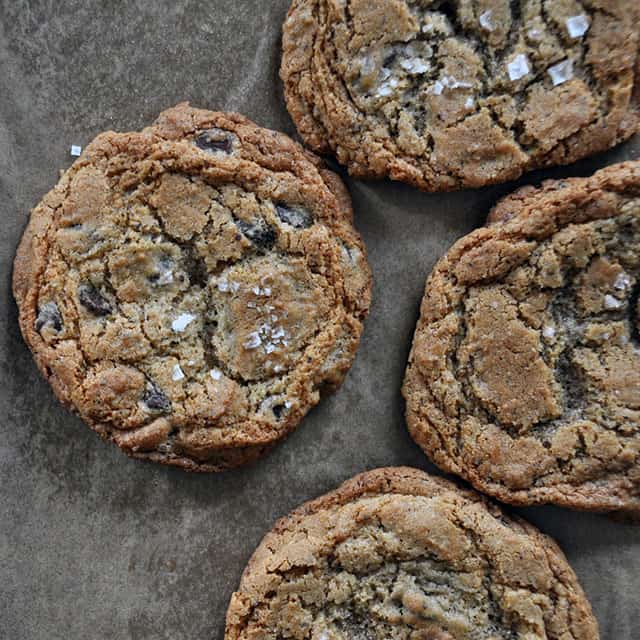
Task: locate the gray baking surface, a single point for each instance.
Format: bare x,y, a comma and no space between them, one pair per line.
95,545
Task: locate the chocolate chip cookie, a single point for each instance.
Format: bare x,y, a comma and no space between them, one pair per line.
524,376
445,94
396,553
191,290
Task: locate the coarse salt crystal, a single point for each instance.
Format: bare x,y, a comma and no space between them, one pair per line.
75,150
485,20
254,341
437,88
622,282
577,26
548,332
223,286
519,67
561,72
216,374
182,322
610,302
177,373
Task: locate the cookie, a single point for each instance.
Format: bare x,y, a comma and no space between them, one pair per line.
192,289
524,375
452,94
396,553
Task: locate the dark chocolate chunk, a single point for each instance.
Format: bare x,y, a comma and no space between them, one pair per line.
155,399
295,215
262,235
278,410
216,141
93,300
49,316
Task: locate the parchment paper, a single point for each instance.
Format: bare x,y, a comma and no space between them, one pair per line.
95,545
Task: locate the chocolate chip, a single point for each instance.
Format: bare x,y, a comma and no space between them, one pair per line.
298,217
93,300
49,316
216,141
261,234
155,399
278,409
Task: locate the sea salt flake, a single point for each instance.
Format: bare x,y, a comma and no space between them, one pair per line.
623,281
216,374
223,286
437,88
75,150
469,103
519,67
182,322
385,90
610,302
415,65
577,26
548,332
254,341
561,72
534,34
269,347
235,286
486,21
166,277
288,404
177,373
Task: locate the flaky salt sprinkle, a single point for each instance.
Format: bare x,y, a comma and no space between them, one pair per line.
623,281
519,67
254,341
549,332
216,374
486,21
182,322
177,373
75,150
415,65
561,72
611,302
577,26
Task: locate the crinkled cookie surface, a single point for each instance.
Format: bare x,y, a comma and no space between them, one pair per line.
524,376
455,93
396,553
191,289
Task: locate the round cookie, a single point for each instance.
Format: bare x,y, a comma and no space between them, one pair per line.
455,93
524,376
396,553
191,290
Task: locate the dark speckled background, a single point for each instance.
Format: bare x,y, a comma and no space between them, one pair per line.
95,545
